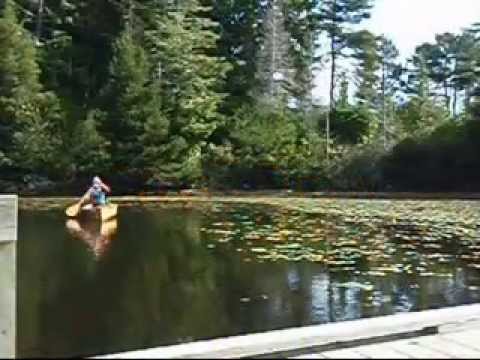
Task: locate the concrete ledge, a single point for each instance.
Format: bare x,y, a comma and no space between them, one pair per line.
298,341
8,238
8,218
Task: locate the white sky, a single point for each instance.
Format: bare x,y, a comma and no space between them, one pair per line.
412,22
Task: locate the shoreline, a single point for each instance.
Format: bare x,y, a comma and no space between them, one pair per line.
261,198
197,194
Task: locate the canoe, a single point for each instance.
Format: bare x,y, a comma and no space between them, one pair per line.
105,212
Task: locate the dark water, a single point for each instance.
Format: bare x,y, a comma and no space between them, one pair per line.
158,277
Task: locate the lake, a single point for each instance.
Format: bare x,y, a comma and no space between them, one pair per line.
177,273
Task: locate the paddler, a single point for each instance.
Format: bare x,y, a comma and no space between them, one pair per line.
97,194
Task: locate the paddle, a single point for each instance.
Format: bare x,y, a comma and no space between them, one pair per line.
74,210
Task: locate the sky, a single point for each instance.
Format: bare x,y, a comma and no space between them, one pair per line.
412,22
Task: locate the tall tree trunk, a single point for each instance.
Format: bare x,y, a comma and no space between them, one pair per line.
447,98
39,20
332,94
129,17
384,115
273,62
332,77
309,100
393,110
455,102
467,99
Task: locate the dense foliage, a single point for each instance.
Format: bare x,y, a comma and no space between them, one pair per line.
219,93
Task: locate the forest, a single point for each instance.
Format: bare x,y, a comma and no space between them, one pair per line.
217,94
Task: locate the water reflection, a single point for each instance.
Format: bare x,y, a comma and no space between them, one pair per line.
320,290
162,283
97,235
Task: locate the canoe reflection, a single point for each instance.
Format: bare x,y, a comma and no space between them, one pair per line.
97,235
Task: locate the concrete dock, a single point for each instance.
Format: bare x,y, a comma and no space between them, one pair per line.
8,238
460,325
449,344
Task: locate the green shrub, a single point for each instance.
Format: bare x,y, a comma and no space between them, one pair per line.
267,149
349,124
447,159
358,168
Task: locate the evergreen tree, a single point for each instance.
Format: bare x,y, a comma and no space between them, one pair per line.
451,63
191,79
89,151
467,71
133,102
302,25
275,72
240,34
75,39
420,114
441,62
390,84
344,96
28,115
475,107
19,71
38,139
365,51
335,18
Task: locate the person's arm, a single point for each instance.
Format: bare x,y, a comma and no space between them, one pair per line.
106,187
85,198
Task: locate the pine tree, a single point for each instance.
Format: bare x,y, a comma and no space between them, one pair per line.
28,116
19,70
89,152
275,72
390,73
364,45
133,102
75,39
343,96
190,78
418,81
474,109
467,71
335,18
301,24
420,114
441,62
239,41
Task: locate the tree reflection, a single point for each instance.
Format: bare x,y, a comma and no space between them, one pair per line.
162,284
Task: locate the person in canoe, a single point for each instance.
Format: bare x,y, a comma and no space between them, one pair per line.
97,194
94,199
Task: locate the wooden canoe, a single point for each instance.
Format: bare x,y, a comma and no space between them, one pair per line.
105,212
